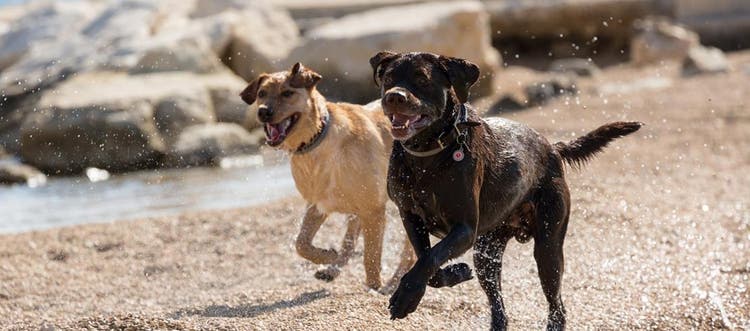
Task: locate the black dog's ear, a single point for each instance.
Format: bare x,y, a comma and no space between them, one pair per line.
302,77
378,62
462,74
249,94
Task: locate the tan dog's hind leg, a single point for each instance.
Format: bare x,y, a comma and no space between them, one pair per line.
310,225
347,248
407,261
373,227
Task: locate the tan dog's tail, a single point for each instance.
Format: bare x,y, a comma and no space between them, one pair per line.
579,151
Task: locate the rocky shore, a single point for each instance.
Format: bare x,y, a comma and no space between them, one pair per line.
126,85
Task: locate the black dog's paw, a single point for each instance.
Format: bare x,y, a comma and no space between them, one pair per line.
327,274
451,275
406,299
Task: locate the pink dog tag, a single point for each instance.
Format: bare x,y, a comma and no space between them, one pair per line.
458,155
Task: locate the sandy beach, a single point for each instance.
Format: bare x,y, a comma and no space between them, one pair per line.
659,238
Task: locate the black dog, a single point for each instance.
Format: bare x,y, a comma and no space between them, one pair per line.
473,182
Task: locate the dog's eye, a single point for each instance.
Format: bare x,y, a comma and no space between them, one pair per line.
422,81
287,93
262,94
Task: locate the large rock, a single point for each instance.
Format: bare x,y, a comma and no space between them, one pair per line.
206,144
112,136
725,23
568,27
340,50
140,36
116,121
175,53
17,173
51,21
110,41
205,8
124,20
258,35
578,66
119,38
261,40
704,60
659,40
172,114
224,91
217,30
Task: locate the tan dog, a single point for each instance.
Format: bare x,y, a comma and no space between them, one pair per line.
339,157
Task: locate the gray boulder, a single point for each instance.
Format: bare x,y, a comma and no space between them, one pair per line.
704,60
172,114
17,173
176,54
123,37
340,49
118,122
659,40
47,22
261,40
122,21
206,144
578,66
115,137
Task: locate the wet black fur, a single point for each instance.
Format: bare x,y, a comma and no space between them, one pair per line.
473,202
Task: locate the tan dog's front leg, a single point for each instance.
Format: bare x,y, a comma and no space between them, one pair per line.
310,225
347,249
373,228
407,261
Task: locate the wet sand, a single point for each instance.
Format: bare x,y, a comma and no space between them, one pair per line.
659,238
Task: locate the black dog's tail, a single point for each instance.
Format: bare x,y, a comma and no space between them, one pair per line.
577,152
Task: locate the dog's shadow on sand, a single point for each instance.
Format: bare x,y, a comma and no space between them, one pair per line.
250,311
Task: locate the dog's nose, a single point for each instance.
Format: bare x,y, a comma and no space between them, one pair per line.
265,113
394,98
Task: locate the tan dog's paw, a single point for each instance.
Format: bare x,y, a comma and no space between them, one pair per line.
389,287
328,274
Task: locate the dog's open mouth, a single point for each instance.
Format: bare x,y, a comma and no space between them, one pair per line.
276,133
404,126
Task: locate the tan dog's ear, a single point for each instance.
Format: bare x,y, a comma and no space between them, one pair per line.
302,77
249,94
462,74
378,63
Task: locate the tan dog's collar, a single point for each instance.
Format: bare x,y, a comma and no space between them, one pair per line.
318,138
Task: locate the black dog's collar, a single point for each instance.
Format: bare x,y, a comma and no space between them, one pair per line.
318,138
452,133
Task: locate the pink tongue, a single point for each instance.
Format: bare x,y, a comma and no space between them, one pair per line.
273,132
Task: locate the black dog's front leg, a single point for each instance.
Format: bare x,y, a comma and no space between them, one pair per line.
420,240
412,287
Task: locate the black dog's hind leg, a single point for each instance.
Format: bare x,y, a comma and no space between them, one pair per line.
552,223
488,260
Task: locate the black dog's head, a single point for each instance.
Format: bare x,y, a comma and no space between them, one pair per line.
417,89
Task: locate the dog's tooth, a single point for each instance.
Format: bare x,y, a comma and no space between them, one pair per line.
406,125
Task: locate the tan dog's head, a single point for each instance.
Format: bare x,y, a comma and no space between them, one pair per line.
286,105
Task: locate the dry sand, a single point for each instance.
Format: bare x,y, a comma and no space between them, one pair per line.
659,239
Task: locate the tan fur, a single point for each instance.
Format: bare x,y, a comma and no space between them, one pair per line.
346,173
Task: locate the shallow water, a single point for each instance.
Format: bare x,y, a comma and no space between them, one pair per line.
77,200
